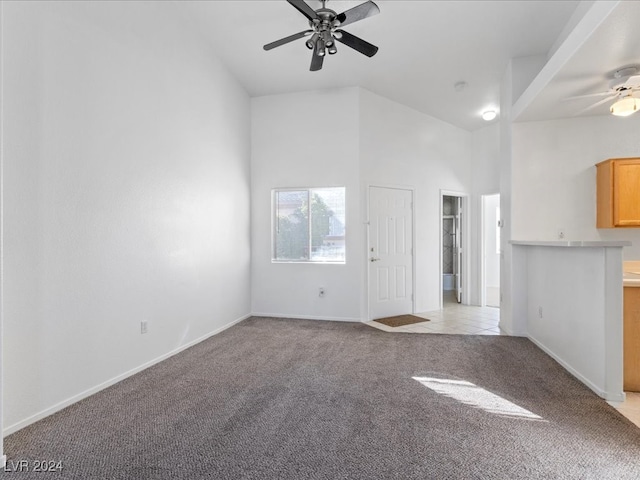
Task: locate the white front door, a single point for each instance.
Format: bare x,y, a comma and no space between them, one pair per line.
390,252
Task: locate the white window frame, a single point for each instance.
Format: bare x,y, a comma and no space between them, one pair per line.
309,191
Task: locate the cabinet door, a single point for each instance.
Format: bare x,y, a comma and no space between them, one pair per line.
626,192
631,339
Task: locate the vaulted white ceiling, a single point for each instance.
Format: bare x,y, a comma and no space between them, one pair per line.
610,41
425,48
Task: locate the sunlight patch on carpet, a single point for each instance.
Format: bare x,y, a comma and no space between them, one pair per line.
472,395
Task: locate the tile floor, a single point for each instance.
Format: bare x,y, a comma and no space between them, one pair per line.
630,408
470,320
452,319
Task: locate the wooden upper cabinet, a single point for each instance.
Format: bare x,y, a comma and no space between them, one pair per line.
618,193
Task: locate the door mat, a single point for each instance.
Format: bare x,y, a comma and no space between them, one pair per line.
400,320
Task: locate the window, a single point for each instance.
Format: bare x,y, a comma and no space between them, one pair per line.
309,225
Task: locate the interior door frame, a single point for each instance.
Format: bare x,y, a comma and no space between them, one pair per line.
482,283
465,227
483,259
413,242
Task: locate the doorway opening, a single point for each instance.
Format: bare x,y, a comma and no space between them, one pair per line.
451,248
490,277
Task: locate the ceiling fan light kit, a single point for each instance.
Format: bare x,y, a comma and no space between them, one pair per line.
625,106
324,24
625,82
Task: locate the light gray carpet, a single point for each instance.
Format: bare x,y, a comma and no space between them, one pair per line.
298,399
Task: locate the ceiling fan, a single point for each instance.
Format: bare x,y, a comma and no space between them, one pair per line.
325,30
625,83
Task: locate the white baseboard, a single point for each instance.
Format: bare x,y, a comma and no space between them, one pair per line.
511,332
306,317
617,403
87,393
608,396
506,330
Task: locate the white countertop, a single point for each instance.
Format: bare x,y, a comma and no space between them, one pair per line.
572,243
631,279
631,274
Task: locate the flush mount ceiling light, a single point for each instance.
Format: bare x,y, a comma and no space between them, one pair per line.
489,115
626,106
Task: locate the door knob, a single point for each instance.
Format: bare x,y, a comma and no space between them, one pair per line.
374,259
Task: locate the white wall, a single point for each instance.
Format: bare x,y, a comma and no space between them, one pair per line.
354,138
573,310
485,155
485,180
554,176
307,139
513,295
3,457
126,196
403,147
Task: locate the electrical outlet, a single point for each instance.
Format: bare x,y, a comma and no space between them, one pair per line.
540,312
143,326
321,292
561,234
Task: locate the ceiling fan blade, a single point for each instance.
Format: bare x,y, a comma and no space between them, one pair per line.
356,43
304,9
288,39
316,62
360,12
590,95
597,104
633,82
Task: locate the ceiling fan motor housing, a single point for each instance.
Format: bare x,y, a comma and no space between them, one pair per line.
327,21
324,30
625,79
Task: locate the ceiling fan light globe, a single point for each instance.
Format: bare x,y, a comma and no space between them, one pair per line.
625,106
319,48
327,38
332,49
311,43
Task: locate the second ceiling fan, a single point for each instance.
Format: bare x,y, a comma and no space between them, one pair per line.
325,30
